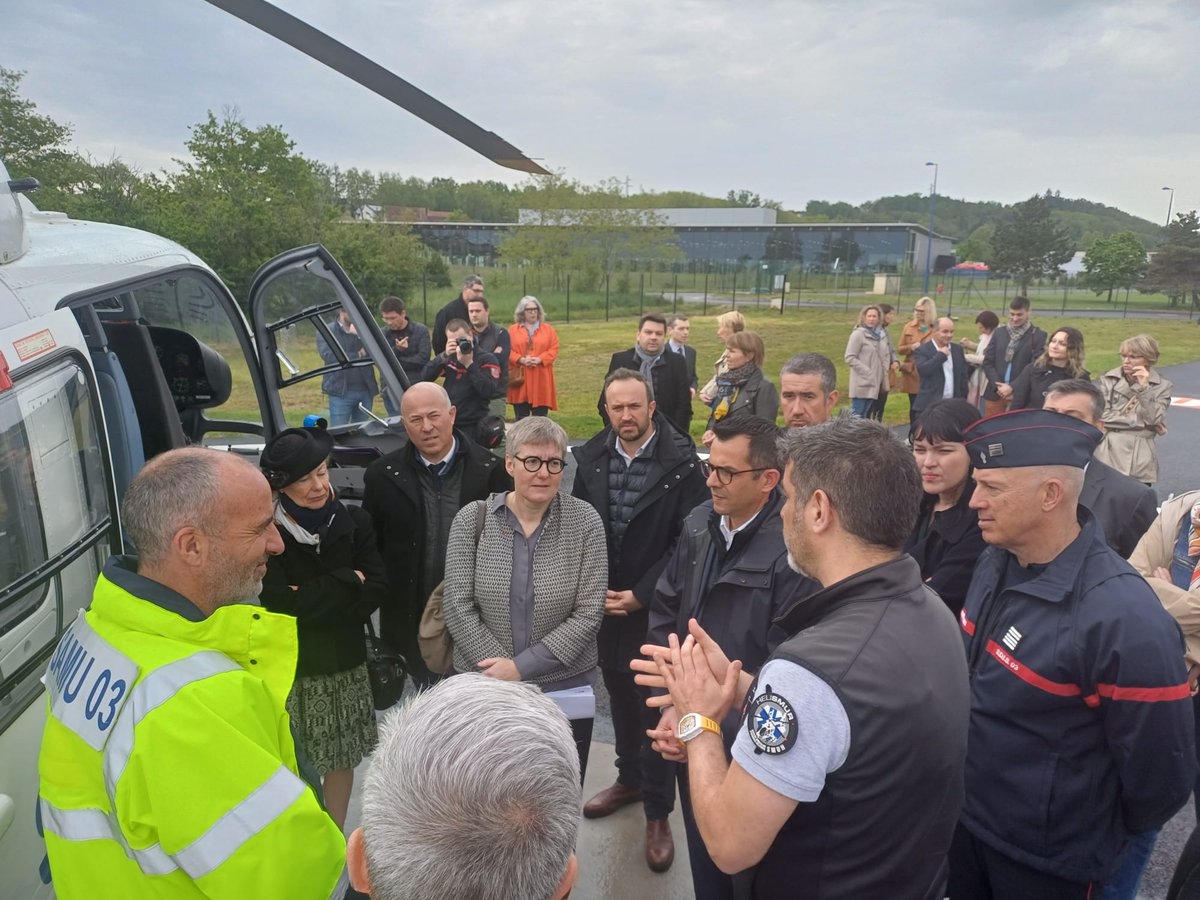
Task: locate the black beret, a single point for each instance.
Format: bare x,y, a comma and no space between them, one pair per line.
293,453
1030,437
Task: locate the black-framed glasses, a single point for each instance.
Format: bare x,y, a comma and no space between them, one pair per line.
724,474
554,465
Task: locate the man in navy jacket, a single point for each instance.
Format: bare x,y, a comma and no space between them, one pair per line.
932,359
1081,735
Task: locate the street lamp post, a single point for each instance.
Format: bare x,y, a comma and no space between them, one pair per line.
1170,203
929,241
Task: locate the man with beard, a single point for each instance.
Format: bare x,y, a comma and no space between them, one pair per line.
807,390
730,572
1009,351
643,477
167,767
667,372
847,772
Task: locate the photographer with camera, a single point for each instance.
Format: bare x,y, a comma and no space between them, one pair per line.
472,377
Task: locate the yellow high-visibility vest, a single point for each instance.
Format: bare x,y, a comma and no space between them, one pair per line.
167,764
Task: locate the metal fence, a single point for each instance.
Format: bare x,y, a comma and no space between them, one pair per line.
707,289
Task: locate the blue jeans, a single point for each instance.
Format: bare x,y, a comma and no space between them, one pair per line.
860,406
1123,883
343,408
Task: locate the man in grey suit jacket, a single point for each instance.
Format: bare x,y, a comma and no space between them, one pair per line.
942,366
1124,507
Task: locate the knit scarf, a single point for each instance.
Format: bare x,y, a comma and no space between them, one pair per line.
307,526
1014,337
1194,545
729,386
875,334
646,361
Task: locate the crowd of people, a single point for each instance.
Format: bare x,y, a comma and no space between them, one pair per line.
960,667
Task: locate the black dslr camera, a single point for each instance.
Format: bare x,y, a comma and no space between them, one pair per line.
465,345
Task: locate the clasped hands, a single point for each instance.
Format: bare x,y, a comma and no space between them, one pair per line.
697,676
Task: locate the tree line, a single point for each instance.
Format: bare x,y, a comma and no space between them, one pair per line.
241,195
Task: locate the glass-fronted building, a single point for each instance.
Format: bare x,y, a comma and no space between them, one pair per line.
826,247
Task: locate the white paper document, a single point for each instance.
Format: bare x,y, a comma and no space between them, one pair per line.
577,702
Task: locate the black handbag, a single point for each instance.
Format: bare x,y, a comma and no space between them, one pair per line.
386,669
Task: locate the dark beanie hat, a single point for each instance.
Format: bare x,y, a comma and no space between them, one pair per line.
293,453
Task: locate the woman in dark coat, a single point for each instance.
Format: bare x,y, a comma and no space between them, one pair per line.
330,577
743,390
1061,360
946,541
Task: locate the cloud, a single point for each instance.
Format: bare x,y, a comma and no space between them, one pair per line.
794,99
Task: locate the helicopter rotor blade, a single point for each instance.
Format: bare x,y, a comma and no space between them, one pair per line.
324,49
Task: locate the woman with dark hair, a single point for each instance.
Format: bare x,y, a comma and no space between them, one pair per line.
330,577
986,323
946,541
743,390
1061,360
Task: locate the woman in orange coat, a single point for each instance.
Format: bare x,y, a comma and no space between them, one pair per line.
534,349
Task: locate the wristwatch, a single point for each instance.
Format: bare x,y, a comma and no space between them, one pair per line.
693,724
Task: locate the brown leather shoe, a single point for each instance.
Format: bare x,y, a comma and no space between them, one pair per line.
660,847
609,800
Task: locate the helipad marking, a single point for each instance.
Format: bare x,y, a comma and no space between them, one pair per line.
1186,402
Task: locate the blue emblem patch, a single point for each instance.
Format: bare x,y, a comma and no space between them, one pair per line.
771,722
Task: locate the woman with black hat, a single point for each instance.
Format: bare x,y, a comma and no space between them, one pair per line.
330,577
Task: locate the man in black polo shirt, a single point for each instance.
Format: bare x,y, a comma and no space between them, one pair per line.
847,772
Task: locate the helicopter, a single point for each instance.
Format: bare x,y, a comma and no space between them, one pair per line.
118,344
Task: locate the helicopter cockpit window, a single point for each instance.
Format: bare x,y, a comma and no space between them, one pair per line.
323,366
203,363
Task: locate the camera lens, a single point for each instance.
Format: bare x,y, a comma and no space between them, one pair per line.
464,345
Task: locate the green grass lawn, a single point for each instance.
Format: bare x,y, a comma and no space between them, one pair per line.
587,346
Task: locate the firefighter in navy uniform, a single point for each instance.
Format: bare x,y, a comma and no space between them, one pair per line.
1081,727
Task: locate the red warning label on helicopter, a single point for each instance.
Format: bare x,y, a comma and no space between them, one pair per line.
34,344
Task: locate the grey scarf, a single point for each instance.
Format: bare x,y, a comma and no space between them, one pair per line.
1014,338
648,362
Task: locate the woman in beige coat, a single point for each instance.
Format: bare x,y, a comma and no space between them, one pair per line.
1166,570
1136,399
869,355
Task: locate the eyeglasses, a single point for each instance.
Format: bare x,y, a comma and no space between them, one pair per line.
726,475
554,465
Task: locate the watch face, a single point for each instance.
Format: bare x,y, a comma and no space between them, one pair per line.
689,727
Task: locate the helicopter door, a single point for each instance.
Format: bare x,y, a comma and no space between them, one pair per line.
322,353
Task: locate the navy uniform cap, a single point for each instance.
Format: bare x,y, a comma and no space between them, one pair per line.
1030,437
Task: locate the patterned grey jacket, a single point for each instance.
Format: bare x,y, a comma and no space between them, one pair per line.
570,578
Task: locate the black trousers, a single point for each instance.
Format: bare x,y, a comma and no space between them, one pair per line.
581,730
637,764
977,872
524,410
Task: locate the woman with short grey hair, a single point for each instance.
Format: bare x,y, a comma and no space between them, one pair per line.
526,578
534,342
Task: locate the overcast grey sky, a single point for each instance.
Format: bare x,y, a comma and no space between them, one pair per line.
792,99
